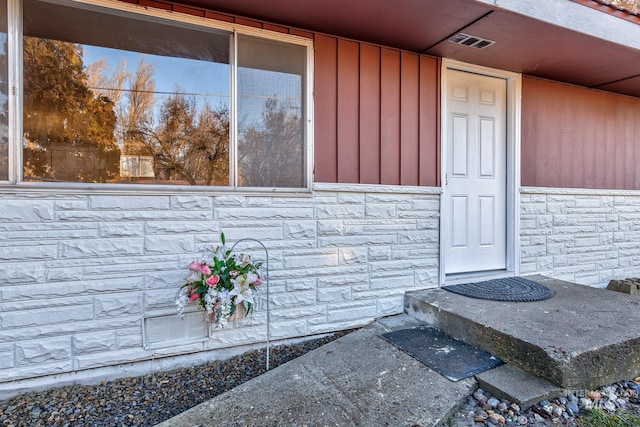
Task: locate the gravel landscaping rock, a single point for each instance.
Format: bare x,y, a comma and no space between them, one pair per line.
146,400
479,409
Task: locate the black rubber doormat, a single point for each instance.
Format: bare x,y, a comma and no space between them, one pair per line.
451,358
514,289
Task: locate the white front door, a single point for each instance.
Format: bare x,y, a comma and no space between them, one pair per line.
474,195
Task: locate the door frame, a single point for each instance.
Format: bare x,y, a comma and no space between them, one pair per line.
513,105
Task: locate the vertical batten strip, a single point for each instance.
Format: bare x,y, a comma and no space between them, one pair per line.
326,98
390,117
428,121
348,112
369,114
409,120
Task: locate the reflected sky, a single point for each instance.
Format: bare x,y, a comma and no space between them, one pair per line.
208,81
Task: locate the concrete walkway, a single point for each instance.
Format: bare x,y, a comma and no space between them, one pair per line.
356,380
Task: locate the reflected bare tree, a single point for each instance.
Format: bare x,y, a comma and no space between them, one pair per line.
190,143
271,153
136,114
78,121
133,96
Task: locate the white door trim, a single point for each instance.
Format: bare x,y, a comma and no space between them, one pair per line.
514,90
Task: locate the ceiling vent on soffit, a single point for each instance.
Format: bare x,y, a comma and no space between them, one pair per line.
471,41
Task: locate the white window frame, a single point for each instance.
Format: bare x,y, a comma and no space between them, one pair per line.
16,184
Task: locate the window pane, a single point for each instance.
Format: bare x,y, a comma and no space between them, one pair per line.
4,92
271,88
119,98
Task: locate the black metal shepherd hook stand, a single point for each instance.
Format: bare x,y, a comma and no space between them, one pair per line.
266,252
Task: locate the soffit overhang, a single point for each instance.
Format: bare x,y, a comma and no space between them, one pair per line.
560,40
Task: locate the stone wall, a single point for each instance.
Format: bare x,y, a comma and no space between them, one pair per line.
584,236
80,273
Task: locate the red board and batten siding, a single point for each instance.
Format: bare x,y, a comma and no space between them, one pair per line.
574,137
375,117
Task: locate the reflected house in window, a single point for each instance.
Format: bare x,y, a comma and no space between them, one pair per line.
136,166
136,159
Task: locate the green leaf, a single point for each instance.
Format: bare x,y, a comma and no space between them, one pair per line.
222,238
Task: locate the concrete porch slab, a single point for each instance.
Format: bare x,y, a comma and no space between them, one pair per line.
581,338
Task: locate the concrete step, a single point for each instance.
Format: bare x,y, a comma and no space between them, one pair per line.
518,386
582,338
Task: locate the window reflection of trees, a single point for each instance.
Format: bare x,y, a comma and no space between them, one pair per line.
153,102
68,130
190,144
270,154
84,125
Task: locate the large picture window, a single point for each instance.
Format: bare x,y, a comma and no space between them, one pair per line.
115,97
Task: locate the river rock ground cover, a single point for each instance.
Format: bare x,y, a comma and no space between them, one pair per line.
145,400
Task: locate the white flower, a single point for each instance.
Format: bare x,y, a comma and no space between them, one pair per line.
221,253
211,299
241,290
252,278
224,310
242,260
182,301
224,295
207,256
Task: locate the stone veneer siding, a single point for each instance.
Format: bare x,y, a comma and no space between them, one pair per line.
80,272
584,236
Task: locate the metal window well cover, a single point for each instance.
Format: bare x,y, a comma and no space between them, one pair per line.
451,358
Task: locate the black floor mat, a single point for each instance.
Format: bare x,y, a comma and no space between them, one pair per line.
515,289
451,358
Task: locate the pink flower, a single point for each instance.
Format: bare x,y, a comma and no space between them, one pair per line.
194,266
258,282
213,280
200,267
194,297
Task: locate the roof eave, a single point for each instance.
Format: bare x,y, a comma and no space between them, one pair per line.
574,16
